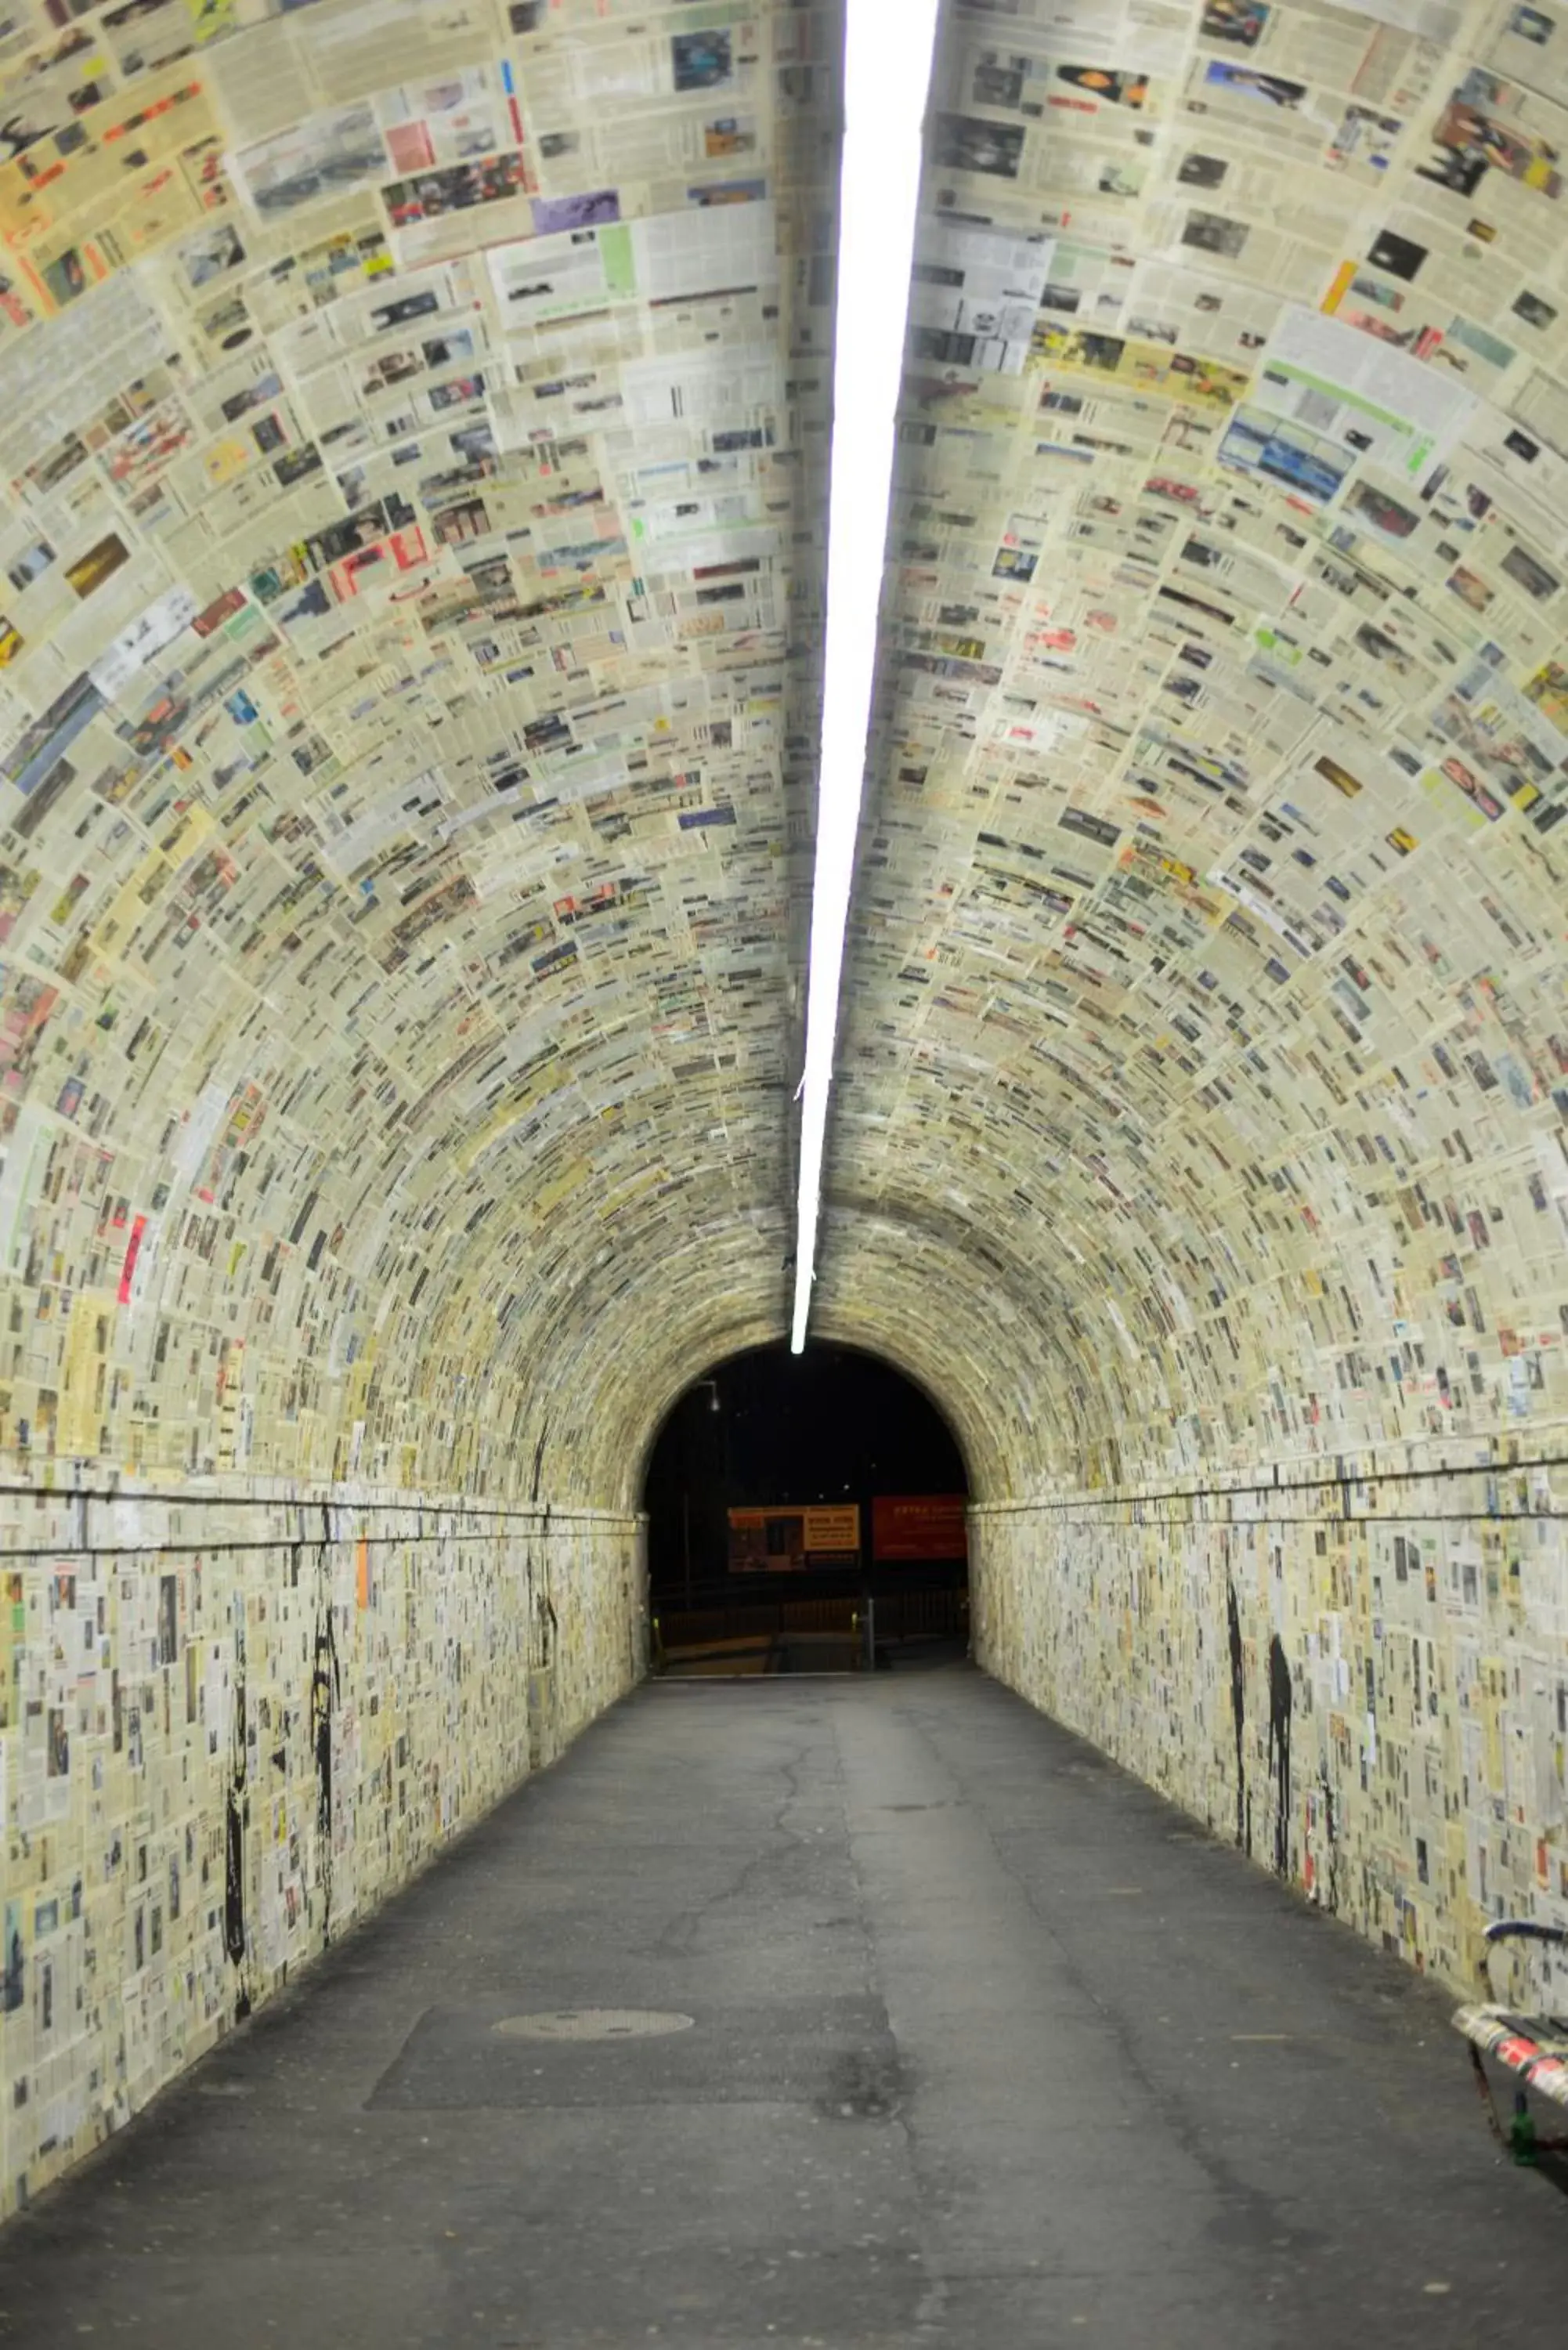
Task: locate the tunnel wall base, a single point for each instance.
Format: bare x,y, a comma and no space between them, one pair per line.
237,1720
1363,1683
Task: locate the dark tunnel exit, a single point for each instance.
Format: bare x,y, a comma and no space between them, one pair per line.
805,1513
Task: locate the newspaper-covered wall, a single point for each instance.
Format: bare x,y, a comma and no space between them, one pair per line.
1204,1010
1361,1685
413,422
413,433
1204,1000
232,1723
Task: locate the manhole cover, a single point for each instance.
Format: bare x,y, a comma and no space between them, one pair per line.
593,2023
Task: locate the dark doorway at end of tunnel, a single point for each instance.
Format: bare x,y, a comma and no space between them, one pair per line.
805,1513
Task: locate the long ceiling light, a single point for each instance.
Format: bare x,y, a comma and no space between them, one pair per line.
886,73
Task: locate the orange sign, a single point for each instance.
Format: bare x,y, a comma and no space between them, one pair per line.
784,1540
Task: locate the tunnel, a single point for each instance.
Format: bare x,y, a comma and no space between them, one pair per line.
417,684
805,1513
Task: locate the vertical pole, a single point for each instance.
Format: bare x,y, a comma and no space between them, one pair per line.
686,1537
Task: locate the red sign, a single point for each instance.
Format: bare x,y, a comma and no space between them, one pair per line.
918,1526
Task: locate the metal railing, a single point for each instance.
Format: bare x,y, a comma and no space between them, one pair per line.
863,1625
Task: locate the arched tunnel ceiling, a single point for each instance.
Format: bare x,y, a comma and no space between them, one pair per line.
415,423
414,420
1207,961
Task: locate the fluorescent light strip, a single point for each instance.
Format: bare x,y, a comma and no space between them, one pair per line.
886,72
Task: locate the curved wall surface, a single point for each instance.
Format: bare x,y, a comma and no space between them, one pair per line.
413,422
1209,963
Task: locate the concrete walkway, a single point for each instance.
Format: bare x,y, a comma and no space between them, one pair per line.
992,2051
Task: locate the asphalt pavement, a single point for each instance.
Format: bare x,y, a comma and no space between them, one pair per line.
818,2014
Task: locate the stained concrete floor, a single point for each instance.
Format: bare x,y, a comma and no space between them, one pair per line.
990,2050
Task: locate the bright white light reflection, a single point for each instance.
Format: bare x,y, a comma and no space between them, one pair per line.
888,69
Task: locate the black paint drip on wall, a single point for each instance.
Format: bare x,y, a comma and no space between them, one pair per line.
234,1836
235,1882
325,1688
1280,1701
1239,1710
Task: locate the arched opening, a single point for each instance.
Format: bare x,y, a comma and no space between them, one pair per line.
805,1512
